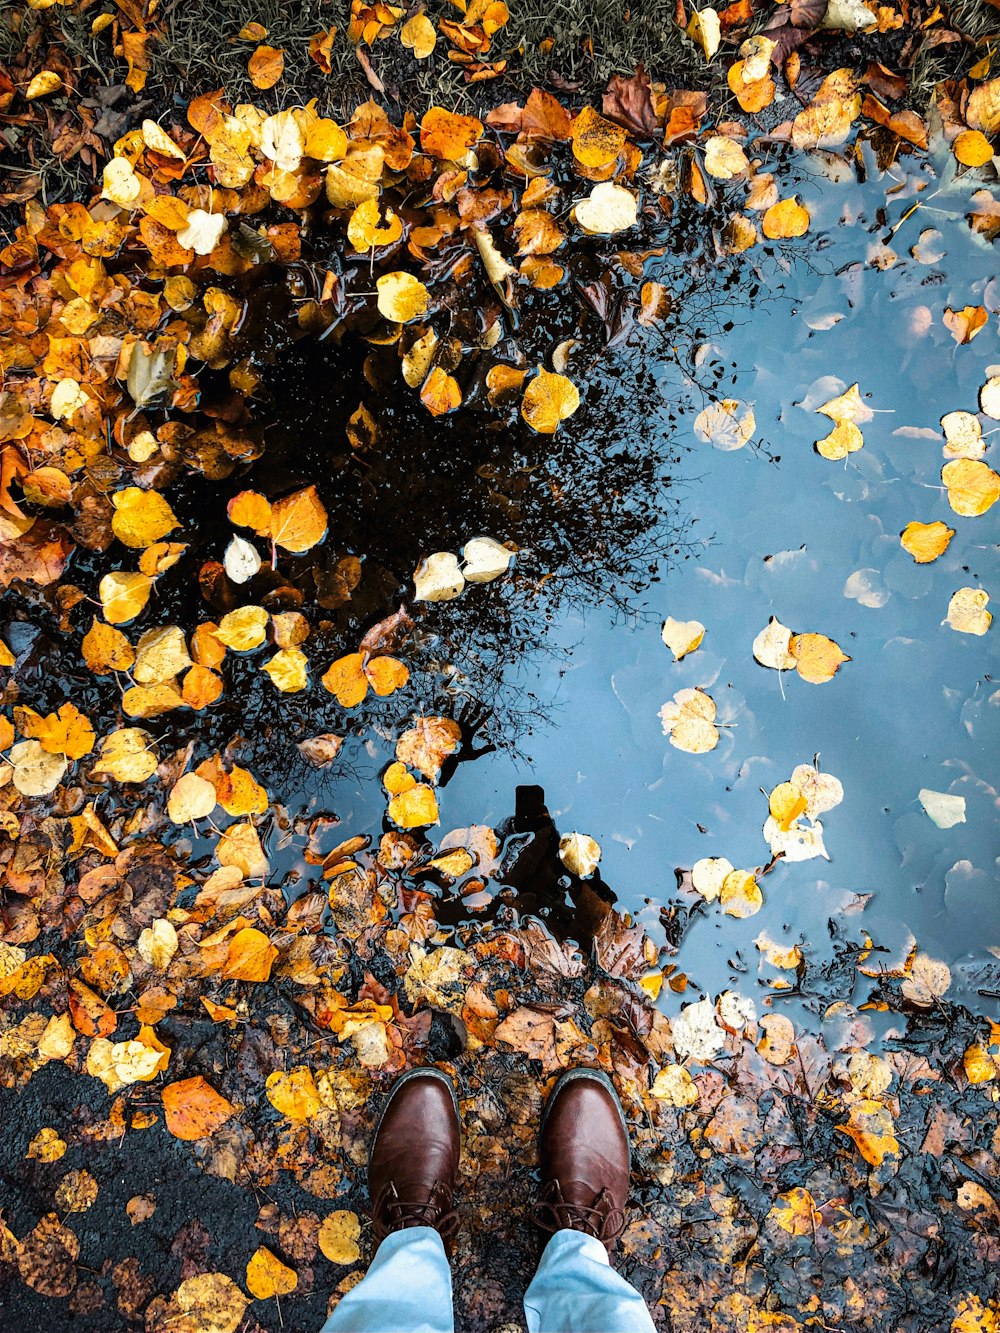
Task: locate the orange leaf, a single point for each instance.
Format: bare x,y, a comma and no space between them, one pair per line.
194,1109
446,135
346,679
250,956
386,674
298,522
266,67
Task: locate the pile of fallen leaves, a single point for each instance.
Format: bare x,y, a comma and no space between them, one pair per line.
143,944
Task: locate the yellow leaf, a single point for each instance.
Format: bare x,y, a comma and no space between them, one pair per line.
239,846
43,85
401,297
250,510
784,220
967,611
964,324
243,629
250,957
299,521
777,1041
396,779
415,808
444,134
549,399
675,1086
848,406
844,439
339,1233
386,675
419,36
817,658
67,732
709,874
191,797
740,894
870,1126
705,29
141,517
972,486
160,141
288,670
963,435
427,744
123,595
127,755
982,110
682,636
689,721
157,944
786,803
36,771
795,1211
364,231
724,158
609,208
972,148
926,541
293,1093
596,141
160,655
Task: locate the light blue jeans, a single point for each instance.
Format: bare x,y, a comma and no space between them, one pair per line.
407,1289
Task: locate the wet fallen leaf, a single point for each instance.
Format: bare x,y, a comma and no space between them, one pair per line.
972,486
689,721
402,297
141,517
817,658
926,541
548,399
967,611
682,636
728,425
339,1233
193,1109
579,853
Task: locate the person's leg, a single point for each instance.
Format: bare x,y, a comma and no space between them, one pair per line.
412,1165
585,1167
575,1290
407,1289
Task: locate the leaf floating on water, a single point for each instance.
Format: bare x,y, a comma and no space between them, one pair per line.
966,323
416,807
844,439
548,399
689,721
289,670
579,853
727,425
848,406
127,755
967,611
428,743
944,809
785,220
708,876
241,561
926,980
989,398
191,797
402,297
485,560
740,894
141,517
777,1042
771,647
972,486
963,435
926,541
696,1034
682,636
36,771
817,658
244,629
438,578
608,209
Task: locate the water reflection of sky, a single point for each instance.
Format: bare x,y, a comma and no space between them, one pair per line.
913,707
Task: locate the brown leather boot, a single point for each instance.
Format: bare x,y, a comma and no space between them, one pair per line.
585,1158
413,1159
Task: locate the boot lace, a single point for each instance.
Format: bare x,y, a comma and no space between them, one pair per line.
391,1213
553,1212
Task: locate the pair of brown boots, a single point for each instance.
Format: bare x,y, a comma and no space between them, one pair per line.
583,1150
